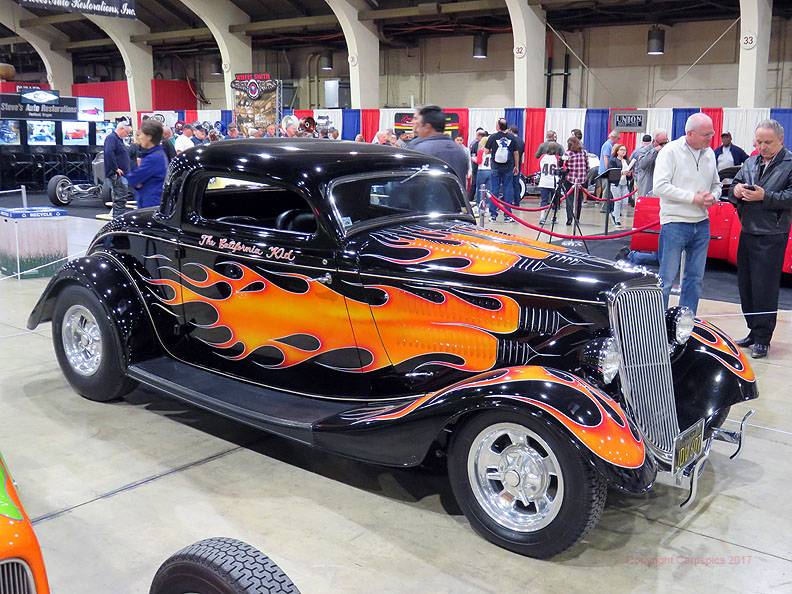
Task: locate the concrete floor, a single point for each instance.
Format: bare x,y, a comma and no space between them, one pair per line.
114,489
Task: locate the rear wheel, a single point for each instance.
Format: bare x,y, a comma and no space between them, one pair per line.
221,566
88,347
59,190
522,485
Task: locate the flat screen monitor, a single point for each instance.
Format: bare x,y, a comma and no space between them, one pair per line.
40,132
102,130
9,132
90,109
75,133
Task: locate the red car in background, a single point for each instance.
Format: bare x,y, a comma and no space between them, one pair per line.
724,226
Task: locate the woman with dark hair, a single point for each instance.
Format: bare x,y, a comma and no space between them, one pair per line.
575,161
619,170
147,179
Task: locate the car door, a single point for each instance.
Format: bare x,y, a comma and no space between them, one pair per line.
261,291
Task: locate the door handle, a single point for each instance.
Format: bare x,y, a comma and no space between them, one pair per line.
325,279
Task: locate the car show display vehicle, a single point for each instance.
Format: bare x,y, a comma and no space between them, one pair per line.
21,564
62,191
341,295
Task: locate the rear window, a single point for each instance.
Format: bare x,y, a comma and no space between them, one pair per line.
427,192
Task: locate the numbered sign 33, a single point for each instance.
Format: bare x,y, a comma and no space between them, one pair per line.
748,40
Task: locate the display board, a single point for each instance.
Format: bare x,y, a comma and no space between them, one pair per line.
102,130
110,8
9,132
257,101
45,104
90,109
76,133
40,133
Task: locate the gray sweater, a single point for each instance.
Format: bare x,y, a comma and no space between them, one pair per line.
443,147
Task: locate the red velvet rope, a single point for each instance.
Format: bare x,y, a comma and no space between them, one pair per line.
526,209
593,197
500,206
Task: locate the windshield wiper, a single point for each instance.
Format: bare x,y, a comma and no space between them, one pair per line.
419,172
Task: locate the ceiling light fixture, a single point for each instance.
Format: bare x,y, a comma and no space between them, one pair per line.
655,41
480,45
326,60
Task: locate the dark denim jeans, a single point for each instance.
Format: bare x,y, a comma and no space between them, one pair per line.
502,183
692,239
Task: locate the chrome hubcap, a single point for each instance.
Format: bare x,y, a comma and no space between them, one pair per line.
82,340
515,477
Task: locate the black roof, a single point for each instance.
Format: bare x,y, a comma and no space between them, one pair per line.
306,162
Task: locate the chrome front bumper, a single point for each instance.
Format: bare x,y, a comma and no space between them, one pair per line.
689,476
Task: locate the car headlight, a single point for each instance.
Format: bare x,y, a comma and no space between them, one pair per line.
601,356
679,321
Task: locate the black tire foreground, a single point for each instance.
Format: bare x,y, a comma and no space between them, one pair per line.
110,381
221,566
584,495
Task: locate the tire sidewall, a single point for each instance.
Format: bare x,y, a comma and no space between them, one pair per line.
566,528
110,381
180,576
52,193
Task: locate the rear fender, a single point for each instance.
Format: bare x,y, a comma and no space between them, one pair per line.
402,434
115,291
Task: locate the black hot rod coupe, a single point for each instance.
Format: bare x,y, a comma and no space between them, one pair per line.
341,295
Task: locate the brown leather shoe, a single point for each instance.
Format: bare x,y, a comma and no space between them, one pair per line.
745,342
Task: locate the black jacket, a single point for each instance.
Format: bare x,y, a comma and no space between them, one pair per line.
773,214
116,155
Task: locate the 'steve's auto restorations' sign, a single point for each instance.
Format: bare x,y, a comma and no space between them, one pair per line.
628,120
45,106
111,8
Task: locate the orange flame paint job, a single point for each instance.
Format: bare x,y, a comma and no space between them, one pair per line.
725,345
407,325
487,253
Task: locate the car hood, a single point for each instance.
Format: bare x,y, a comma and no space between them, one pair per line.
463,254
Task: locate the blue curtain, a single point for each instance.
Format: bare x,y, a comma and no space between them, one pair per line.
784,117
350,124
516,117
681,114
226,117
595,129
180,116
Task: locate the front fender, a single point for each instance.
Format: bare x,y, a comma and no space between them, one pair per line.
114,289
710,374
401,434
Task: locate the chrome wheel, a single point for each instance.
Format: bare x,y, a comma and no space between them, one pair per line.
82,340
515,477
63,191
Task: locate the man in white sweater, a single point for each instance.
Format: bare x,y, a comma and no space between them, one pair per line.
686,180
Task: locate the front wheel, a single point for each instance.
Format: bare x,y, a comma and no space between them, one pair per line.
59,190
221,566
88,347
522,485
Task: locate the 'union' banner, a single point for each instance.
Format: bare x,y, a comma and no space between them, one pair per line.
111,8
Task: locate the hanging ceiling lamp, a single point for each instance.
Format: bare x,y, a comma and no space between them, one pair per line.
655,41
480,45
326,60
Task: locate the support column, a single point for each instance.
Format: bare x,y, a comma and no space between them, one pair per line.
236,50
363,50
60,72
528,27
755,21
138,61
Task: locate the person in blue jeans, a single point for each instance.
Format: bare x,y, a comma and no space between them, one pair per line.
502,146
686,180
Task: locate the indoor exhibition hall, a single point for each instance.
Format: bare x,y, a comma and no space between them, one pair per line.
352,296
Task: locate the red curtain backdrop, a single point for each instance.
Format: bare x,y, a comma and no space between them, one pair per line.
172,95
716,113
534,136
190,116
114,93
369,123
625,138
463,121
11,86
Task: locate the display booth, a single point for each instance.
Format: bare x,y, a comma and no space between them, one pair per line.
43,134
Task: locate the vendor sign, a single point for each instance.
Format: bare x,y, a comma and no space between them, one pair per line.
109,8
40,105
257,101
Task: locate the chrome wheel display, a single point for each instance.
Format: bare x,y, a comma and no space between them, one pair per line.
82,340
515,477
63,191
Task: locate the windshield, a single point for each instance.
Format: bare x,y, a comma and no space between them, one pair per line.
376,196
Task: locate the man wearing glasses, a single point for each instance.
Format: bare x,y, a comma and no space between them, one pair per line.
645,167
686,180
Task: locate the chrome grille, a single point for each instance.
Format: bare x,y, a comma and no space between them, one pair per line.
638,320
15,578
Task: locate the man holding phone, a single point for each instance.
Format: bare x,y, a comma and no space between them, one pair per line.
762,193
686,180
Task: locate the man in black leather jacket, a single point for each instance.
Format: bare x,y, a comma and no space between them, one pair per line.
762,192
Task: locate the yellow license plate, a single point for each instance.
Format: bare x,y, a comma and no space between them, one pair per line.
688,446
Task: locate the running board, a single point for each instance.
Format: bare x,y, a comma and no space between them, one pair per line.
285,414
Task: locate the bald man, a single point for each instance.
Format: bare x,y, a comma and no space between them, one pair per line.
686,180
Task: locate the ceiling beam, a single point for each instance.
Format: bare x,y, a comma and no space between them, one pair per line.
282,24
179,34
52,19
11,40
88,43
423,10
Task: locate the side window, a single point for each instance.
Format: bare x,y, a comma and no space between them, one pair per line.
260,205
